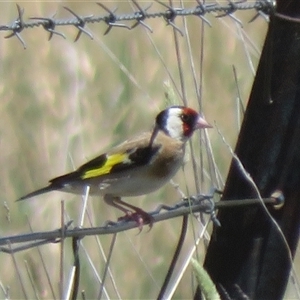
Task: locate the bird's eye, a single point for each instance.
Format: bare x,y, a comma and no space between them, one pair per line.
185,118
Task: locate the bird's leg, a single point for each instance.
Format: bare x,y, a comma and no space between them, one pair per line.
112,201
139,215
136,213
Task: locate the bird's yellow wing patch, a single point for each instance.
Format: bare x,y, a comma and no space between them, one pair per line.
111,161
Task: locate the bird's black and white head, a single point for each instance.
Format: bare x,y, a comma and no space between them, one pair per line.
179,122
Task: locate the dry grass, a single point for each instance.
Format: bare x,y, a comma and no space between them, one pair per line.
63,103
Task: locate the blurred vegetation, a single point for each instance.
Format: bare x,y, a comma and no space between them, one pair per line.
63,103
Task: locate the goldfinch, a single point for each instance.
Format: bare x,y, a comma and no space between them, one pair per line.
136,167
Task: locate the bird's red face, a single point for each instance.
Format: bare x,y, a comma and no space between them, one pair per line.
180,122
191,121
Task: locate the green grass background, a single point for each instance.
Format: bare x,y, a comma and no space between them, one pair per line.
63,103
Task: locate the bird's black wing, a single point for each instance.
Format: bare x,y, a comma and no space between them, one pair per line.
106,164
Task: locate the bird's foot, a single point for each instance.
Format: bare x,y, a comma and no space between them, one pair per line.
140,217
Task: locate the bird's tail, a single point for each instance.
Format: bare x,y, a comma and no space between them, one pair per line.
38,192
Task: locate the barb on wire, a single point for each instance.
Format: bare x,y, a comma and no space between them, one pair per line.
199,203
201,11
233,8
17,26
262,7
171,14
49,26
141,16
265,11
80,24
111,19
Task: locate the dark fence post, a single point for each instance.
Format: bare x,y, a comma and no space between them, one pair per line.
247,255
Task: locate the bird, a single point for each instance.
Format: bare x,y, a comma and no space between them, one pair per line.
138,166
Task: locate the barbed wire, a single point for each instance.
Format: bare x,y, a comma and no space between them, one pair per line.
138,16
196,204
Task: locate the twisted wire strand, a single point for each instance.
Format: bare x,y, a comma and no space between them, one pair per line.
199,203
112,19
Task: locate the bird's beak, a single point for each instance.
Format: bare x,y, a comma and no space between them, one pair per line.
201,123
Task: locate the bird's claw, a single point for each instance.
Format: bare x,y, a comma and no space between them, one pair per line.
140,217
